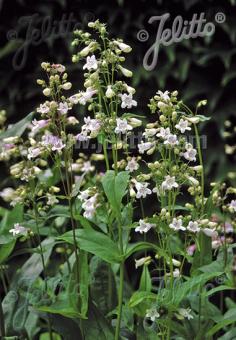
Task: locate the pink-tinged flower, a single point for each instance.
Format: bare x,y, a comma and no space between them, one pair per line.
53,142
144,227
87,167
63,108
39,124
229,228
210,232
84,97
232,205
34,152
91,63
82,136
19,230
91,125
191,249
58,67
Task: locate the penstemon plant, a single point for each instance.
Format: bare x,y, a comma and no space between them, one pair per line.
79,227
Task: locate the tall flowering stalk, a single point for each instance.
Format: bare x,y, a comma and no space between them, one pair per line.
92,221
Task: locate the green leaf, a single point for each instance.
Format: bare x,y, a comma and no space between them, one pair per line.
61,307
5,250
146,280
96,326
77,186
19,128
115,187
140,296
96,243
139,246
100,273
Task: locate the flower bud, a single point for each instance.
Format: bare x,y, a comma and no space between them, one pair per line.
109,92
47,92
67,86
127,73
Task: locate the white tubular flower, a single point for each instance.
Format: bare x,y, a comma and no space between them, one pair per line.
91,125
142,261
91,63
109,92
53,142
177,224
63,108
74,99
127,73
183,125
232,206
169,183
184,313
90,205
132,165
164,95
33,152
87,167
210,232
127,101
171,140
190,153
193,226
122,126
135,122
43,108
84,97
152,314
123,47
163,133
176,273
82,136
39,124
144,146
51,199
144,227
142,189
130,89
19,230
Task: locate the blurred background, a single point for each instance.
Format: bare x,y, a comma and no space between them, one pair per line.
201,68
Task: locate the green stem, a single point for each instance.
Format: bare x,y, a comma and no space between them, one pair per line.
2,326
120,298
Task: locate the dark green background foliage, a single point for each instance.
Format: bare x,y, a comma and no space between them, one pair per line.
199,68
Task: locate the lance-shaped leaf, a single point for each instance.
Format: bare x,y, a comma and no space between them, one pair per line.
115,188
96,243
